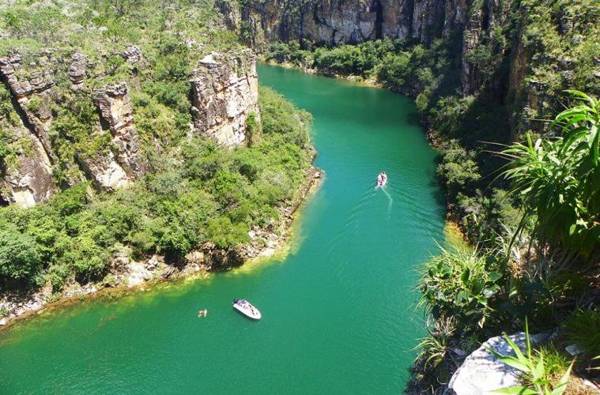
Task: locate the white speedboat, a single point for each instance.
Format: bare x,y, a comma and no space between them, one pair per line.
246,308
381,180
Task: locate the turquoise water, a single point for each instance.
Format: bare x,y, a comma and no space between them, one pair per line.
339,313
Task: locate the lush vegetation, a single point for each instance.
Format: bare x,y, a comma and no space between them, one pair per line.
540,268
194,192
559,178
171,37
204,194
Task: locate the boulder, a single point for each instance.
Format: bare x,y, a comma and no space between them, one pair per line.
132,54
482,372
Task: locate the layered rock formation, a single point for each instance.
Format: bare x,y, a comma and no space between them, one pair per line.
335,22
35,98
491,44
116,118
224,95
28,178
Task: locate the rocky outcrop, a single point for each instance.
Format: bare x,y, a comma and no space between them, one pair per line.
32,95
105,171
28,179
116,117
77,70
224,95
483,373
132,54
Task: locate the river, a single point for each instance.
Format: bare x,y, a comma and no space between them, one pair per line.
339,312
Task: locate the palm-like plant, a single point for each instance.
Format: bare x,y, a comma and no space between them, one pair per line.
461,284
559,179
536,370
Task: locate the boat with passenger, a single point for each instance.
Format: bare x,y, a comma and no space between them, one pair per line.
246,308
381,180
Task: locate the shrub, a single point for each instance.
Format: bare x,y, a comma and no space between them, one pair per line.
20,258
583,329
540,369
558,179
225,234
459,283
458,169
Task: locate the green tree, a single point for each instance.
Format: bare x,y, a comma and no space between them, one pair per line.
19,256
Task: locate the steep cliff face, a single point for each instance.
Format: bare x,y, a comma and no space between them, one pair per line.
27,173
333,22
44,97
125,161
515,55
224,95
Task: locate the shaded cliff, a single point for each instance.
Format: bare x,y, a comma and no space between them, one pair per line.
333,22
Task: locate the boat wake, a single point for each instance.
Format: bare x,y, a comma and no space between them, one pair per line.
390,201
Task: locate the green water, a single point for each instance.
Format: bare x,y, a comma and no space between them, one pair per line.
339,313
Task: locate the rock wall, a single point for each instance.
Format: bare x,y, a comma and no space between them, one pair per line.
224,95
333,22
35,98
475,28
116,118
27,179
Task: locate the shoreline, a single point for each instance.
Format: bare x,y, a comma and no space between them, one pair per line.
135,276
356,79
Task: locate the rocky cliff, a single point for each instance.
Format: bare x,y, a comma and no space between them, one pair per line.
333,22
42,96
224,95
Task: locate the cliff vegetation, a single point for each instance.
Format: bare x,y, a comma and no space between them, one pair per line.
133,129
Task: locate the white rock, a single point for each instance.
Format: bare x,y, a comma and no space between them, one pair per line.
137,274
482,372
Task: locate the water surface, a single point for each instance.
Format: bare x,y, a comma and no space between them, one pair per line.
339,313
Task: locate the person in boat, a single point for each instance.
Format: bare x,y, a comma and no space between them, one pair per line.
381,179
